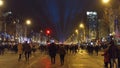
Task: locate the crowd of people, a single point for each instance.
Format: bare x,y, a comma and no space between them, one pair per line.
111,51
18,48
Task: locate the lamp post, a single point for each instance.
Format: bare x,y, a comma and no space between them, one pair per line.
83,29
77,38
109,14
27,23
1,3
105,1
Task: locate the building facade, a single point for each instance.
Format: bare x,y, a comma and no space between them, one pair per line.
92,24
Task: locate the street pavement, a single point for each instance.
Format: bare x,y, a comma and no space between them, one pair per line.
38,60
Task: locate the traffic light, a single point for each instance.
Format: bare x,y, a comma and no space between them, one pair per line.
47,32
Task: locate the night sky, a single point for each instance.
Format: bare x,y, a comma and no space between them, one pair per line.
61,16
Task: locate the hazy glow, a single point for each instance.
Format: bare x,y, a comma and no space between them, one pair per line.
105,1
28,22
1,2
76,31
48,31
81,25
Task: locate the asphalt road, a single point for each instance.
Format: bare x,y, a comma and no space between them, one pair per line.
79,60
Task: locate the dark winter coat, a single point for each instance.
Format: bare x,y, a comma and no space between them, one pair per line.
62,51
113,50
52,50
26,47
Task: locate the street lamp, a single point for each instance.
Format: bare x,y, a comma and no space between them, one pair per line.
76,31
82,26
105,1
1,2
28,22
5,15
111,16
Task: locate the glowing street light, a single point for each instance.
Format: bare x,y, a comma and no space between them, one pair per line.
1,2
76,31
105,1
108,9
81,25
28,22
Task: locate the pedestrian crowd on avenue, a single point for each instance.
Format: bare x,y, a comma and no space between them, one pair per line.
111,51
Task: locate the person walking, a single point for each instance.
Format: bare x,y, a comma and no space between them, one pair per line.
113,53
27,50
2,49
52,52
106,58
96,49
62,53
20,50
